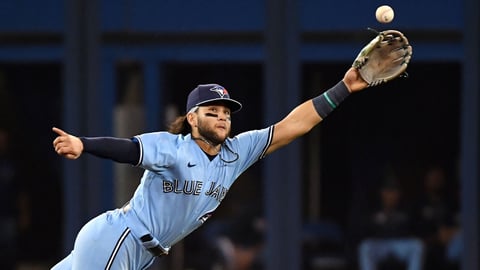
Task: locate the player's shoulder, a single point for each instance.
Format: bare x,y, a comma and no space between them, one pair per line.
157,134
254,133
250,137
162,136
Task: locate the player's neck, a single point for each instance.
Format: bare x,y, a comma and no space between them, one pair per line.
207,146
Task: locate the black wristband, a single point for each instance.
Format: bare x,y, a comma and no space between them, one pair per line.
328,101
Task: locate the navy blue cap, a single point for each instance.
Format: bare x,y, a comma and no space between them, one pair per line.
206,93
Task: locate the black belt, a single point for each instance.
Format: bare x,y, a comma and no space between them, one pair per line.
157,250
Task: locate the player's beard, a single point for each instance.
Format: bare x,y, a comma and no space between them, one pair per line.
210,135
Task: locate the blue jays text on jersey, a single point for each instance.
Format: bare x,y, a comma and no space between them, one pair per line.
192,187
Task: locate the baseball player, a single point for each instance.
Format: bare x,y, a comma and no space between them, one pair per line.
188,171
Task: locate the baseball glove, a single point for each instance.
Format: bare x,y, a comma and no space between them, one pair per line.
385,58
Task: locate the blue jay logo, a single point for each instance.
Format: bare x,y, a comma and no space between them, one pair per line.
222,92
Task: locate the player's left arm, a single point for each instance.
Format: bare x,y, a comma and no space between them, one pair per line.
310,113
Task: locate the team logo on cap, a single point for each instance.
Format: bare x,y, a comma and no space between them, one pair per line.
222,92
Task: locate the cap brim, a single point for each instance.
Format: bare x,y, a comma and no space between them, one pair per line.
234,105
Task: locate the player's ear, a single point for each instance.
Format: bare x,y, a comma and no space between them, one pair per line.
192,119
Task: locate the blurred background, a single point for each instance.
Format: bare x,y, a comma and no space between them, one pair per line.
394,166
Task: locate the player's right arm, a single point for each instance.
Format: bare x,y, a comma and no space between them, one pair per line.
117,149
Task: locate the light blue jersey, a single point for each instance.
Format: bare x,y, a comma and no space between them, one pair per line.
180,189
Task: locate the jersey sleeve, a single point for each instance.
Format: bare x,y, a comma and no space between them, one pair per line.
157,150
252,145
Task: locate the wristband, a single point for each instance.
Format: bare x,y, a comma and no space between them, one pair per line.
328,101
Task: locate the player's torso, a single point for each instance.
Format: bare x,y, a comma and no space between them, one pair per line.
184,195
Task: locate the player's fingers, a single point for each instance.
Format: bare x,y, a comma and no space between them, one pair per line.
57,141
60,149
60,141
64,148
58,146
59,131
70,156
66,152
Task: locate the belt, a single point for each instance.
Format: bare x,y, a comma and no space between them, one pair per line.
157,250
150,243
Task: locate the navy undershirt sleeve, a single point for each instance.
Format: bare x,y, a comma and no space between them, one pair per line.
117,149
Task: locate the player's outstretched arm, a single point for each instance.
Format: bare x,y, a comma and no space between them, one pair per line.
308,114
117,149
67,145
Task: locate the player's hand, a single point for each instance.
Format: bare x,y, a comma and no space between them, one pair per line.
354,81
67,145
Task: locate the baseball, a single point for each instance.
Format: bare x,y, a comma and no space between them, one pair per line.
384,14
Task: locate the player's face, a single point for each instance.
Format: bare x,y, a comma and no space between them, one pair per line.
214,123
